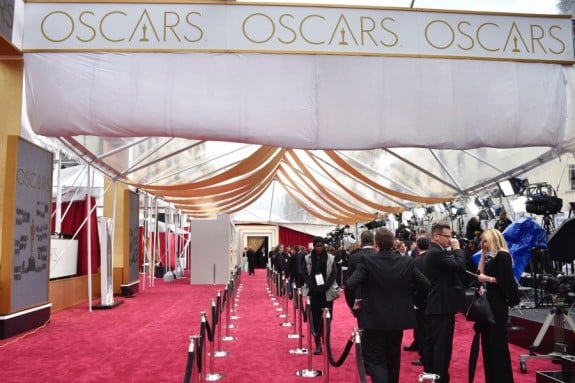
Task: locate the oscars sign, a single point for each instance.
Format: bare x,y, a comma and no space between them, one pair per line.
296,30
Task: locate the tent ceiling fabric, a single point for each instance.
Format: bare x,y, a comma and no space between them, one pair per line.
190,127
299,101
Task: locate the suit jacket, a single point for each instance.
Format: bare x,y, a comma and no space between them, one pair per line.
420,297
445,271
354,261
386,279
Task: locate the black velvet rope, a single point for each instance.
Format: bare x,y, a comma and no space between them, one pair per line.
303,312
219,310
209,330
216,311
203,330
189,366
224,298
346,350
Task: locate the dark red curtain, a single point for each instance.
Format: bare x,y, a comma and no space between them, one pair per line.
294,237
70,224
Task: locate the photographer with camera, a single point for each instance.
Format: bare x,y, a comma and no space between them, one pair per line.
496,271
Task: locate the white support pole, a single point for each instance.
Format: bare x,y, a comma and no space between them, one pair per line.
58,219
156,237
89,241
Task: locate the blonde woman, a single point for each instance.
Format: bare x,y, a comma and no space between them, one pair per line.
496,271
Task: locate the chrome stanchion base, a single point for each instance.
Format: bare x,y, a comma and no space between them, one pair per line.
293,336
231,326
299,351
309,373
282,316
228,338
213,377
220,354
427,377
286,324
234,317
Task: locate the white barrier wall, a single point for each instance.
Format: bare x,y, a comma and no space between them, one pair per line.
210,251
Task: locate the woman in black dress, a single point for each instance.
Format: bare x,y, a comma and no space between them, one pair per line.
496,271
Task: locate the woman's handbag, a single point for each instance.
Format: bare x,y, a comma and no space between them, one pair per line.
479,310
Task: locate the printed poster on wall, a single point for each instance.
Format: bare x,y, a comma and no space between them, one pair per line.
31,226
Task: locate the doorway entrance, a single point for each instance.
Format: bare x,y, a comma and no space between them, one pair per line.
259,244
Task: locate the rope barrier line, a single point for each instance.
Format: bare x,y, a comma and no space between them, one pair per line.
197,353
346,349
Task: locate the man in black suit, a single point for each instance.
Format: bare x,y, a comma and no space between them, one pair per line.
422,244
444,266
386,279
366,239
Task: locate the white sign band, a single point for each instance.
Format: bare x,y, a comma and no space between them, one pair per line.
238,27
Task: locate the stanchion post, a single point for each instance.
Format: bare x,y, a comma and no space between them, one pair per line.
286,323
218,328
234,304
297,319
309,372
281,279
210,375
275,295
325,319
227,337
195,348
358,355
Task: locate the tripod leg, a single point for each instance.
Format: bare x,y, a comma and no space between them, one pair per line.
569,320
542,331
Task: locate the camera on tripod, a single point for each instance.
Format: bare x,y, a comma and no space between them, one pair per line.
560,287
542,199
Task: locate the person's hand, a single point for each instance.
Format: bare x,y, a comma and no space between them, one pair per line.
454,244
483,278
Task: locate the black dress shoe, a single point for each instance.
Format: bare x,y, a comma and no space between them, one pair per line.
317,350
417,362
411,347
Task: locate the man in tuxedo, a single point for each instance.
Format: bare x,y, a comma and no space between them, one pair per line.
444,267
386,279
422,244
366,239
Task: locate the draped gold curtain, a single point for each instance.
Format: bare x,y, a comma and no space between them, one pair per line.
256,242
238,186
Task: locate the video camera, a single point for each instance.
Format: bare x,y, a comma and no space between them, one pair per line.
559,286
542,199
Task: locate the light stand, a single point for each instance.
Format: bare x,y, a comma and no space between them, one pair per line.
548,224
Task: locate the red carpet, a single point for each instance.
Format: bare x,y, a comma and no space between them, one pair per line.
146,340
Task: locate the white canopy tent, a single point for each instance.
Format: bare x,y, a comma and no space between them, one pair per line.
428,128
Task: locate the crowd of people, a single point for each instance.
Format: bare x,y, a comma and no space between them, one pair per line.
425,291
392,284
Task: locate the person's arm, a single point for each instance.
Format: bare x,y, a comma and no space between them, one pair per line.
357,278
331,275
420,281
